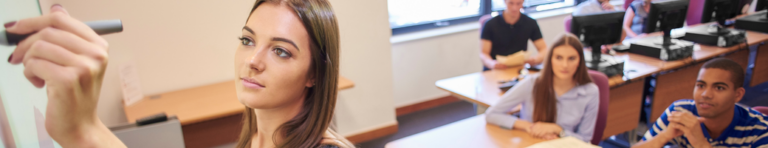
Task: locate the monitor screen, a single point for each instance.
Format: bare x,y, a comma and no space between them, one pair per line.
666,15
720,9
598,28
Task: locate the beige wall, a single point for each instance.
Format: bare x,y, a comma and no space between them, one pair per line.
366,60
419,63
174,44
181,44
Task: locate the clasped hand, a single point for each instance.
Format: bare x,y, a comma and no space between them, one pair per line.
544,130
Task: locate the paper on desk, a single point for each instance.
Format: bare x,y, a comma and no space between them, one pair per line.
129,82
514,59
567,142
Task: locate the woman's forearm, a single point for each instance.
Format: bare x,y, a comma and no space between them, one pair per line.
522,125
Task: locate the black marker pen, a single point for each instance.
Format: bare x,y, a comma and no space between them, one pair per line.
100,27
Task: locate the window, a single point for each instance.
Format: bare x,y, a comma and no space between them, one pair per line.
413,12
414,15
498,5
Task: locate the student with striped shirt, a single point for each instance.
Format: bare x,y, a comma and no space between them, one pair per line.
712,118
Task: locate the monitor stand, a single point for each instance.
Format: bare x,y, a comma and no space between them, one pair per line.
606,64
755,22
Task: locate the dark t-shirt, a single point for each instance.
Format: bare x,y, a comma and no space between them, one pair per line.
507,39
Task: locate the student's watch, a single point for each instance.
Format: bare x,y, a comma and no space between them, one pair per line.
562,133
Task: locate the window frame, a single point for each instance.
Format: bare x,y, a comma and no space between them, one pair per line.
486,7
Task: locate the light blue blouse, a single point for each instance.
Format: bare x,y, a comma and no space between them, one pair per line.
576,109
638,22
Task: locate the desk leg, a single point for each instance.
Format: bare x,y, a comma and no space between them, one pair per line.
624,108
760,71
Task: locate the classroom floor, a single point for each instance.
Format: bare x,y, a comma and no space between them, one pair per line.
424,120
417,122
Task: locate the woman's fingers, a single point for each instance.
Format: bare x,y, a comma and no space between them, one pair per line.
64,33
58,8
60,47
58,19
36,81
538,132
550,137
48,52
59,55
69,58
537,135
37,70
70,67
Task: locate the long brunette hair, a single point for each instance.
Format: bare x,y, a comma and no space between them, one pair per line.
545,103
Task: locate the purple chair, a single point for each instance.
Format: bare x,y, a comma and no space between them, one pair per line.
568,23
483,19
695,9
761,109
602,112
627,3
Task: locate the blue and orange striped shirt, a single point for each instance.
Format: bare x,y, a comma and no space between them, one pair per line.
747,130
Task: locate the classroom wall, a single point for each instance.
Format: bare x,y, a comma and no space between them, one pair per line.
173,44
182,44
419,63
366,60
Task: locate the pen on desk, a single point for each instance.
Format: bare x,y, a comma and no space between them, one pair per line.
100,27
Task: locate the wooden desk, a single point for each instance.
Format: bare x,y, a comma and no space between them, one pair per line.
626,99
482,88
677,78
470,132
210,115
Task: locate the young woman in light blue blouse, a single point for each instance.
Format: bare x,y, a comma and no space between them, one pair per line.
559,101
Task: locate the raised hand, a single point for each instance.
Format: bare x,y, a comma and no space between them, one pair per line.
69,58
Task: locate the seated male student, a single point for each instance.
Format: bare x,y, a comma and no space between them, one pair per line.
712,118
509,33
594,6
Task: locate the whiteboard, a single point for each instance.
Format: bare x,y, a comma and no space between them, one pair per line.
22,106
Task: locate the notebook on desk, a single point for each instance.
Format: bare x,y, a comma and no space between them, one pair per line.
567,142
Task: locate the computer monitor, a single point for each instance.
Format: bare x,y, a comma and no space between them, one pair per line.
666,15
720,10
757,21
598,29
